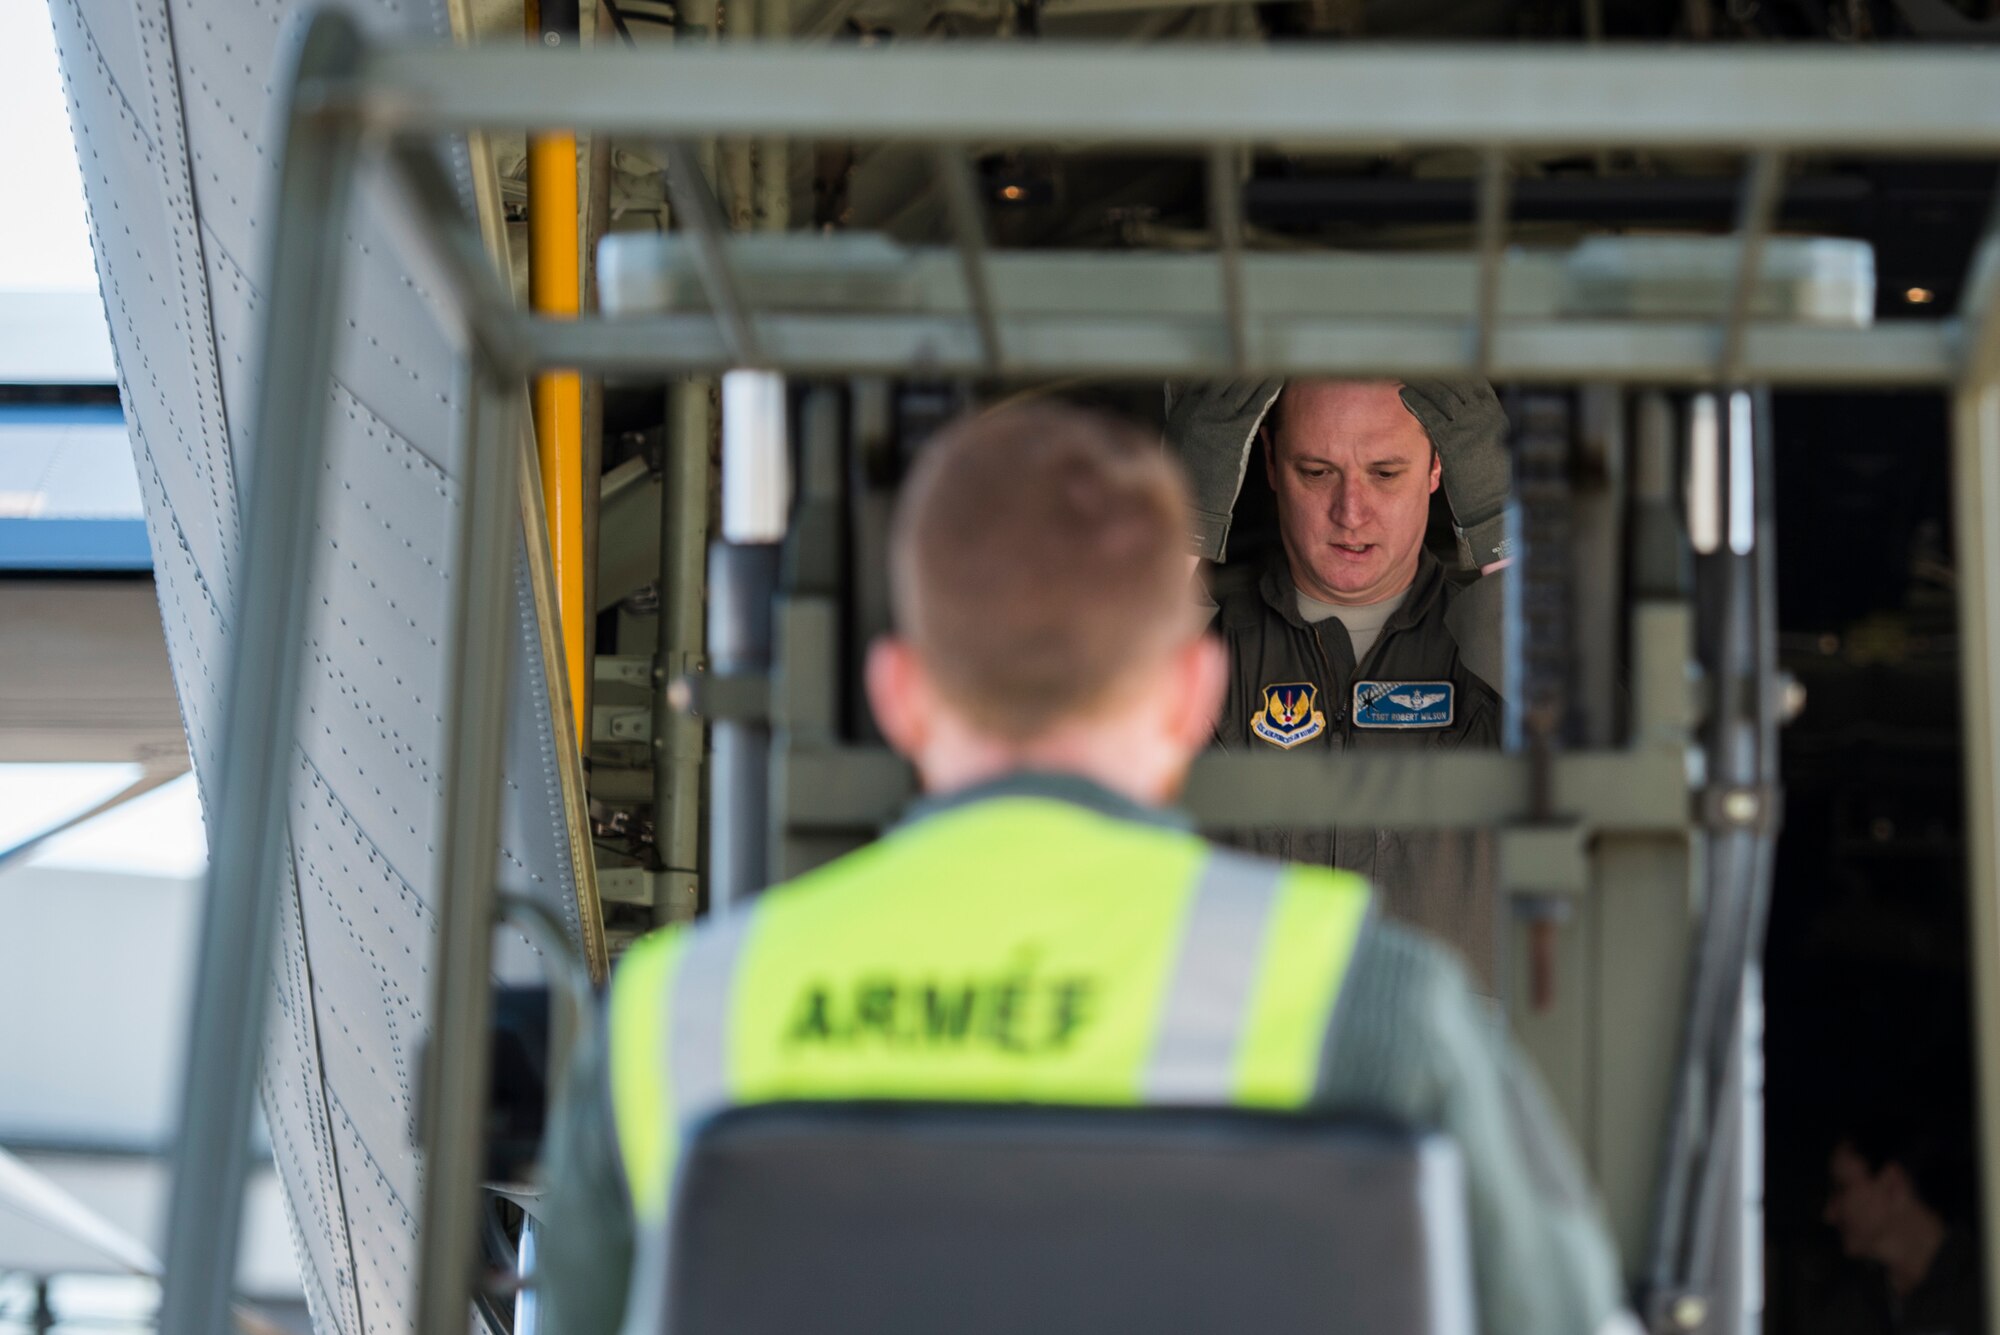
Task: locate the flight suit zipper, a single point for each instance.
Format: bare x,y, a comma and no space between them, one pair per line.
1336,704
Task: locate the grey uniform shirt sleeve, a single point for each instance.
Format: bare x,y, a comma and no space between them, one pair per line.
586,1242
1413,1043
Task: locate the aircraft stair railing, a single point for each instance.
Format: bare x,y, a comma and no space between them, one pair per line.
1699,314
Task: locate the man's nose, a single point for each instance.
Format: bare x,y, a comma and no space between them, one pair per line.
1350,505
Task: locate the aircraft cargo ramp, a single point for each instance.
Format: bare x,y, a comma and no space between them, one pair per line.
173,102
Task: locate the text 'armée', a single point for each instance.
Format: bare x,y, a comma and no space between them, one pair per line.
1013,1013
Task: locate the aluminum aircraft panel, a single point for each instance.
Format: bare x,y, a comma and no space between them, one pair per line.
173,105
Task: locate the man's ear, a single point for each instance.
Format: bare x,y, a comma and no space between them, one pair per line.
1437,468
1268,448
1202,670
899,693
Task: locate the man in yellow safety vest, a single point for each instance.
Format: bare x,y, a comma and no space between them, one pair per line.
1043,927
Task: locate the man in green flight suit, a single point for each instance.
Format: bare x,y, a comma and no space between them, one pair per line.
1042,926
1347,633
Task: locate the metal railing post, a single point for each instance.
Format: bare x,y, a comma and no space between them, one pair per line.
458,1053
1225,220
1975,478
249,858
1975,481
701,217
679,739
1490,226
968,229
1757,211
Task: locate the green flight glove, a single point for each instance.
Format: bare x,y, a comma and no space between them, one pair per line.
1210,429
1469,428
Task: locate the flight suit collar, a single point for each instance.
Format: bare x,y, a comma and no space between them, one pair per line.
1281,595
1071,788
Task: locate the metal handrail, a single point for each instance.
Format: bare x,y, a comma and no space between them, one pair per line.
350,99
1517,96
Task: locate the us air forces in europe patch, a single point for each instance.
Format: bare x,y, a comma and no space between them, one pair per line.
1403,704
1291,714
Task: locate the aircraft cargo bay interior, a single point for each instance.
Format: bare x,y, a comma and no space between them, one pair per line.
1000,665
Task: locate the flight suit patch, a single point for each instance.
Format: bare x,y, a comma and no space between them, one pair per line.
1290,715
1404,704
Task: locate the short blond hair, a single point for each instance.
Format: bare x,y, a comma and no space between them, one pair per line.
1037,559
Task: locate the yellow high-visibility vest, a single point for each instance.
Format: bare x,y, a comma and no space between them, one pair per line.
1012,950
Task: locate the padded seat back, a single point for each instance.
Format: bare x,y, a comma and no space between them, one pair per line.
966,1219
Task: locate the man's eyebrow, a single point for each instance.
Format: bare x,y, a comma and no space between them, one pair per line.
1386,461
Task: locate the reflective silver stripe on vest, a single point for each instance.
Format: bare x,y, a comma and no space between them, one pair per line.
1208,998
698,1017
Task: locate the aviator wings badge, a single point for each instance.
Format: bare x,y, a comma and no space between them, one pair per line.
1403,704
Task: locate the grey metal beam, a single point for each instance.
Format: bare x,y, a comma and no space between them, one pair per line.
456,1060
701,216
1602,790
628,533
1979,309
678,740
1517,96
1655,352
968,227
1225,219
1976,492
652,274
1491,230
249,864
843,788
773,168
1761,188
1641,919
1813,281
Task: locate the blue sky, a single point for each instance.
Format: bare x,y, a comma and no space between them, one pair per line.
46,246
